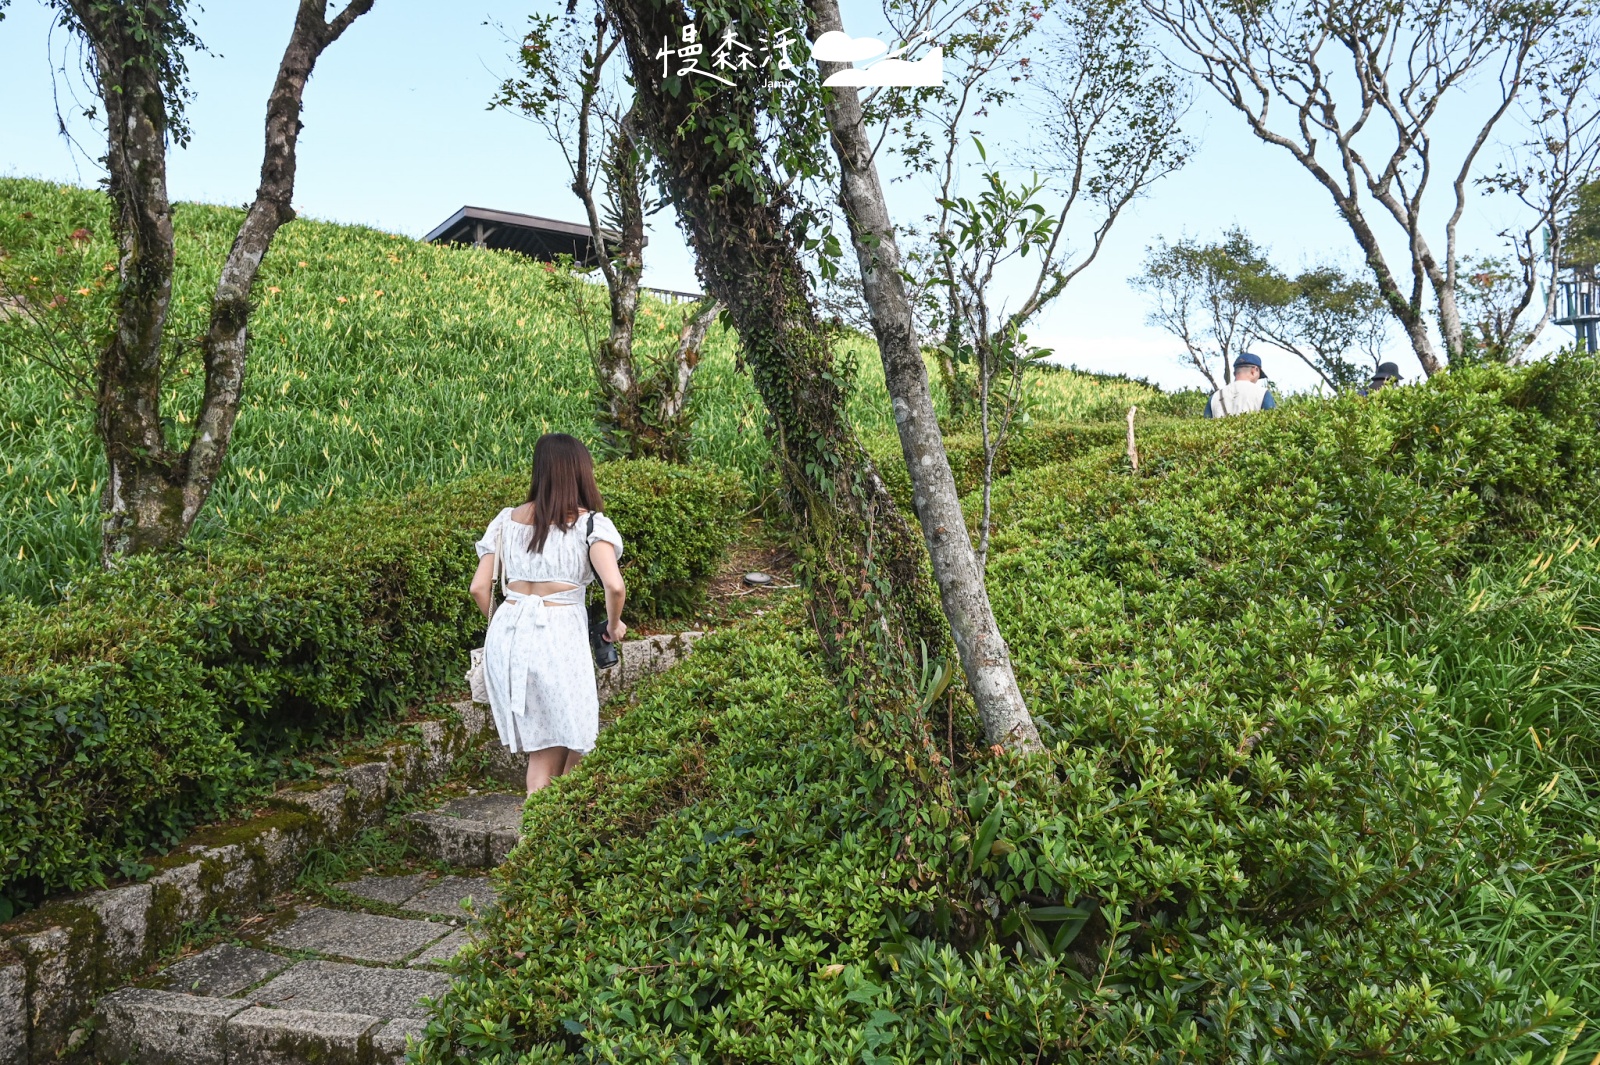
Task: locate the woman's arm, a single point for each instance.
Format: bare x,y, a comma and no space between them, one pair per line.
483,584
603,556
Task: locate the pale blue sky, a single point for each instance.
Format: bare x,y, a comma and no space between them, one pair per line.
397,136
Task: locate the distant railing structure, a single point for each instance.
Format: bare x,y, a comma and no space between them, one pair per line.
673,295
1578,305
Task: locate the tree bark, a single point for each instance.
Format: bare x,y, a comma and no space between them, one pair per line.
868,596
153,491
143,506
985,659
676,378
622,264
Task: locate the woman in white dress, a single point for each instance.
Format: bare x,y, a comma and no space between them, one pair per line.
536,657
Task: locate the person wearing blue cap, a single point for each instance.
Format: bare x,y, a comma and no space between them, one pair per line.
1245,394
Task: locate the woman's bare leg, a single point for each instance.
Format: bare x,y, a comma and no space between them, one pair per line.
573,758
545,765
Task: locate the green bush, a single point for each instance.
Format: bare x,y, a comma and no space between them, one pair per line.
1290,809
164,692
676,522
1036,444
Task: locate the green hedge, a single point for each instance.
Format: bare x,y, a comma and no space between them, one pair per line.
1031,446
1298,806
676,522
162,693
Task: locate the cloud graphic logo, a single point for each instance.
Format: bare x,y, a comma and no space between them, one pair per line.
891,71
899,73
837,47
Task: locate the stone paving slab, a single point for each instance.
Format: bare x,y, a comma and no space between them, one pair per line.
445,896
499,809
225,969
390,889
363,936
389,1043
445,949
330,986
260,1036
148,1027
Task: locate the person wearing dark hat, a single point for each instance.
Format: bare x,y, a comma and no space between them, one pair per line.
1386,373
1245,394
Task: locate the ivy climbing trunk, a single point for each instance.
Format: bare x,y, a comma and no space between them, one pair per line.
155,489
985,659
869,597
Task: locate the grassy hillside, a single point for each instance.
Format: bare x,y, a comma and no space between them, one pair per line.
377,364
1320,692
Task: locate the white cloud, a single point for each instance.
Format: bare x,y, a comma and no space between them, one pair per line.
927,71
838,47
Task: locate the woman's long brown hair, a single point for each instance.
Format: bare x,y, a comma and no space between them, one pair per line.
563,481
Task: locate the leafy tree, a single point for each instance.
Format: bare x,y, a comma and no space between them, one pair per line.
570,87
1334,323
734,159
1208,296
964,597
1491,302
160,477
1582,228
1096,163
1353,90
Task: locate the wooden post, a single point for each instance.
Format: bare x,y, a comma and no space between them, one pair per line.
1133,448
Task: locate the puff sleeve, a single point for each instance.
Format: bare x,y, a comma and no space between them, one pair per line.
605,530
492,533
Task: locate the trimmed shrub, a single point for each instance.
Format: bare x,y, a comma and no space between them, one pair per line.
676,523
1037,444
164,692
1261,831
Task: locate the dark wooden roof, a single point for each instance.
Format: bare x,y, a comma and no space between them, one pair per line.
537,238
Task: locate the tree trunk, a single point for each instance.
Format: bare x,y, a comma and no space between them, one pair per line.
623,265
227,339
673,404
985,659
153,492
868,596
143,507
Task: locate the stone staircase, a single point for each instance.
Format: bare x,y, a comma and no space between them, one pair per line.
342,978
324,984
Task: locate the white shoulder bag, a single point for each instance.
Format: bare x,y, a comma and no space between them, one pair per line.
475,675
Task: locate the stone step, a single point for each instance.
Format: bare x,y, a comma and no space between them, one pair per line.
237,1005
329,985
142,1026
55,960
475,831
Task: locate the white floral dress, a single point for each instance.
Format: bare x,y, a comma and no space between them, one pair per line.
536,658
